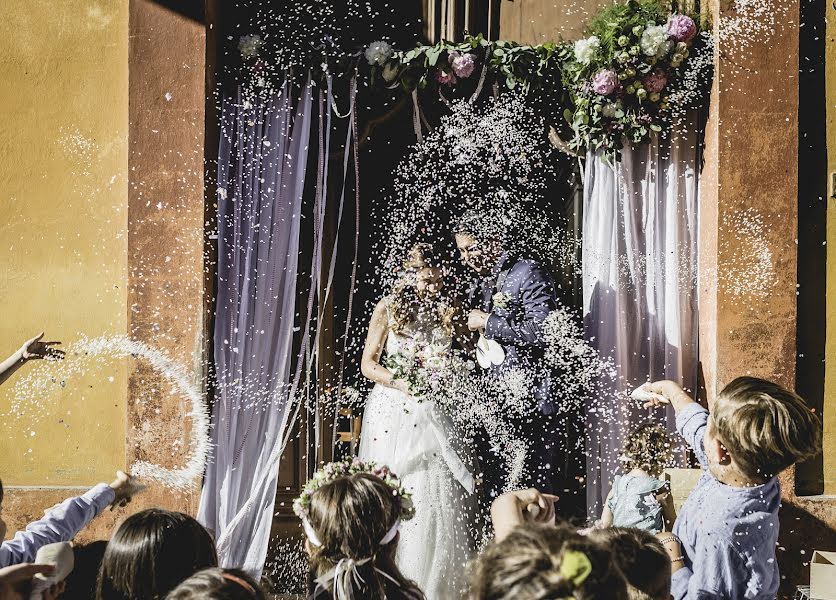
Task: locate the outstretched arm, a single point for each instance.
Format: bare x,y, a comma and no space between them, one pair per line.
31,349
539,299
375,341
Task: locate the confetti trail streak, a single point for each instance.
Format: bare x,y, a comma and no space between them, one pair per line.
34,386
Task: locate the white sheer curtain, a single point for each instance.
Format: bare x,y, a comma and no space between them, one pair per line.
262,161
639,285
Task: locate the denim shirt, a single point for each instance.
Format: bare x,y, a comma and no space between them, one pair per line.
728,533
633,502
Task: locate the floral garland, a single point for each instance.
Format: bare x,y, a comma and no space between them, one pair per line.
635,73
351,466
622,78
447,64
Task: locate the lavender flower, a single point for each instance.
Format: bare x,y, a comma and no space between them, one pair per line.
605,82
682,28
462,64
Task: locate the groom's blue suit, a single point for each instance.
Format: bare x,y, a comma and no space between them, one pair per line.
518,326
530,295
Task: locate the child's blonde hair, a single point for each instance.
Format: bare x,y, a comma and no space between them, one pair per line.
642,559
533,563
648,447
765,427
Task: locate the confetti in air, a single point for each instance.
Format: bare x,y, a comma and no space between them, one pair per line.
32,388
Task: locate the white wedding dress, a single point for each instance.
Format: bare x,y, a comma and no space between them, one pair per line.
414,439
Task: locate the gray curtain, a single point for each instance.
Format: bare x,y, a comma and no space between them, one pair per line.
262,160
639,287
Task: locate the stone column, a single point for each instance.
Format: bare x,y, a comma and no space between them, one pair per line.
748,235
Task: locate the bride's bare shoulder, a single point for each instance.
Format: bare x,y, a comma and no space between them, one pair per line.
381,309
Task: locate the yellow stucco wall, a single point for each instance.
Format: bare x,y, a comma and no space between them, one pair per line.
63,226
830,349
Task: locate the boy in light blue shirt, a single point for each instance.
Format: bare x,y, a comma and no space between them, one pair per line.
723,542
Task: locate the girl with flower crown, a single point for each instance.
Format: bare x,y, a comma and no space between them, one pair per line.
352,513
414,324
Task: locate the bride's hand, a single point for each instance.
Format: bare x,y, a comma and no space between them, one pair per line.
401,385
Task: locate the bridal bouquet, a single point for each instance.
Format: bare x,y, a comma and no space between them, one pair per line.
426,367
625,78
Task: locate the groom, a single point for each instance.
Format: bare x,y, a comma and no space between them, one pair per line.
510,300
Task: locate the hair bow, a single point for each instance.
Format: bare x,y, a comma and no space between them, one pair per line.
575,567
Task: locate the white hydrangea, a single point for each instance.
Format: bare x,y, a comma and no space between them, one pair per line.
655,42
248,45
378,53
585,49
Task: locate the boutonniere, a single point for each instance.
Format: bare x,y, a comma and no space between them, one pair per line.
501,300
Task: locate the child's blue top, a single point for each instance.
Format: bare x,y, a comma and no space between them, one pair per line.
728,533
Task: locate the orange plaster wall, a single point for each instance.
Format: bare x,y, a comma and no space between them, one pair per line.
752,164
156,124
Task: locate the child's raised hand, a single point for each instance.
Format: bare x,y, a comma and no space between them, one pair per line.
663,392
124,487
515,508
35,348
647,397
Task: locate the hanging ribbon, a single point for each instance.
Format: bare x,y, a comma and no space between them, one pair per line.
353,285
332,265
484,74
416,116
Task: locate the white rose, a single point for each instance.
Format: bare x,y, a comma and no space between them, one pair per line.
378,53
654,41
585,49
248,45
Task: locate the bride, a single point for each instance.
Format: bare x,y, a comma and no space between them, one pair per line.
412,437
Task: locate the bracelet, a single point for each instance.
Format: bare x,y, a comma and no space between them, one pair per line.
672,538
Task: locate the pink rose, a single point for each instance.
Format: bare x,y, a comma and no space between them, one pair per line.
682,28
605,82
655,81
462,64
445,78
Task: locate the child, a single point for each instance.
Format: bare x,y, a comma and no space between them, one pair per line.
151,553
218,584
63,522
723,543
640,499
351,512
642,559
536,561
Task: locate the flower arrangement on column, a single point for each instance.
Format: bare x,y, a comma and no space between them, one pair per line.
634,75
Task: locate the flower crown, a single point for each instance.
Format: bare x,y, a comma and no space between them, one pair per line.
351,466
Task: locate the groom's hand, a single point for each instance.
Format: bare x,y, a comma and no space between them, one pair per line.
476,320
